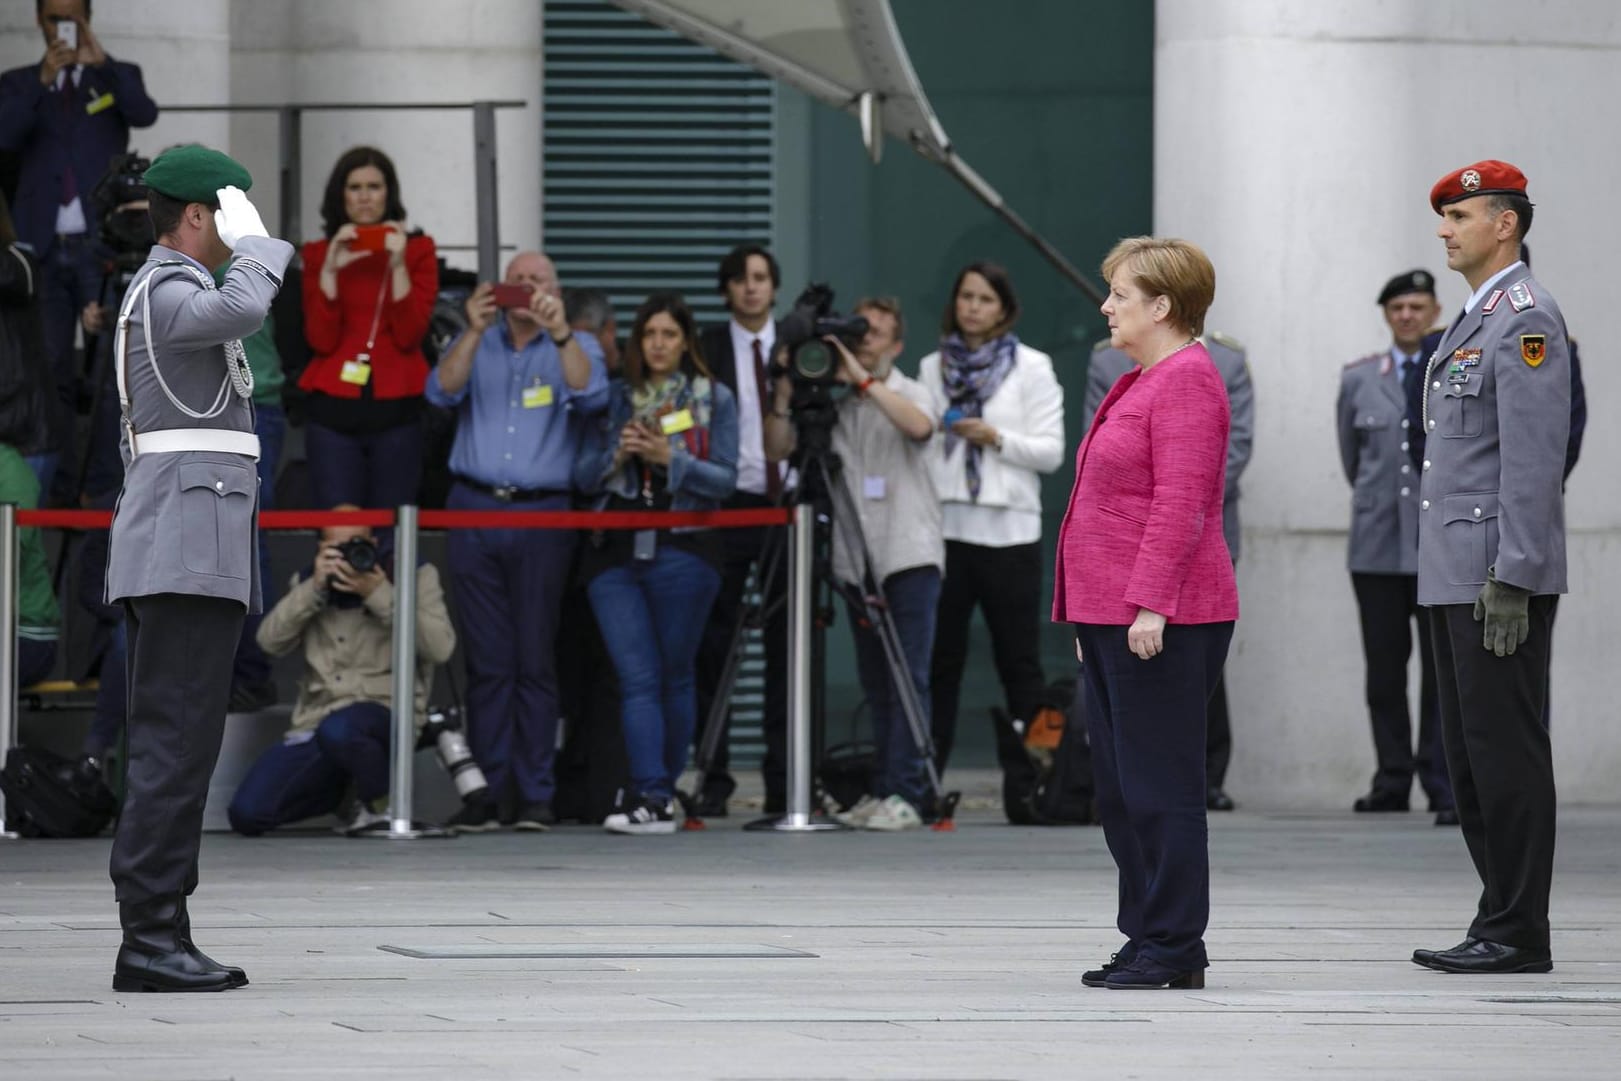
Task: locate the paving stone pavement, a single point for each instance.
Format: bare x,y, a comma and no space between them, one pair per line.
740,956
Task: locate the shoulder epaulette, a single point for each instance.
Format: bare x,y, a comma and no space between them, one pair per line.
1519,296
1224,339
1359,361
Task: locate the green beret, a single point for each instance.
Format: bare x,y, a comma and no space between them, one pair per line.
195,173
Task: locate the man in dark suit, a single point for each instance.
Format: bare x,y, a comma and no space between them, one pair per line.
1491,559
738,353
66,118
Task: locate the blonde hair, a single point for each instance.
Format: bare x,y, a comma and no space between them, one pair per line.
1165,266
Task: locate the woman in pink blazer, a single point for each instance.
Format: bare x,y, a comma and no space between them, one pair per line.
1143,573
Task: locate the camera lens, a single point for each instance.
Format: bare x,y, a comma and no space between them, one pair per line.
814,360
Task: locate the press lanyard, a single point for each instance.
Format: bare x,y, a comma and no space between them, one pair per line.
376,319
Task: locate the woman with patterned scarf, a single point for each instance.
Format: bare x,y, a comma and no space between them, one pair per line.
668,442
1004,426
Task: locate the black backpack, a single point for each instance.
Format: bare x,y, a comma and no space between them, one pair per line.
50,796
1045,784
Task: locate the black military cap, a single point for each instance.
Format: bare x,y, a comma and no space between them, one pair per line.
1414,281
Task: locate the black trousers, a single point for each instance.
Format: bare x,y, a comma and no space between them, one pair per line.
743,547
1501,763
1218,740
1387,605
1005,584
1146,724
181,649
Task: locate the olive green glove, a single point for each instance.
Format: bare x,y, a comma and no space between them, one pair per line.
1503,608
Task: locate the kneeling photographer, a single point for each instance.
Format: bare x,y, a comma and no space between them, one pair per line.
340,610
881,438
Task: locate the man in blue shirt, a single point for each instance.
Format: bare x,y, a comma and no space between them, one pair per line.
518,379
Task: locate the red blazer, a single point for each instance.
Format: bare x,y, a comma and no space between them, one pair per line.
1143,528
337,330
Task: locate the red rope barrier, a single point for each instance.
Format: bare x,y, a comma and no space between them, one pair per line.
457,519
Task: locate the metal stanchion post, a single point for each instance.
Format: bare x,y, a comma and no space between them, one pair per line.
402,733
801,583
8,641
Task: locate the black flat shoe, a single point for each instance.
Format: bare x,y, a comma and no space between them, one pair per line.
1447,816
1479,956
1099,977
1217,800
1376,802
1424,957
1144,975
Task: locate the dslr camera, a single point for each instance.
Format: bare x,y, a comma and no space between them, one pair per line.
360,553
443,732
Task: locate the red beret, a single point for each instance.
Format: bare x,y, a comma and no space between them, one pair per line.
1490,177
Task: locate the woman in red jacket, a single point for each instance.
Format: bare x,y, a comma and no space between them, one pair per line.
1143,573
369,289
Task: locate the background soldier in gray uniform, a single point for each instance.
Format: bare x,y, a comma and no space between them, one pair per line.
1371,418
184,540
1491,559
1107,366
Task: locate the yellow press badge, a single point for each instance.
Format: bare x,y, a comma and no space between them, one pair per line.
96,105
357,372
537,396
677,422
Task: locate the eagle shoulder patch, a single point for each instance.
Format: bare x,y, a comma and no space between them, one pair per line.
1533,348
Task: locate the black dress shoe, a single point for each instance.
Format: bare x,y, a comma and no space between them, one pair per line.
1217,800
1424,957
238,977
1446,816
1480,956
1144,975
1377,801
153,957
711,805
1099,977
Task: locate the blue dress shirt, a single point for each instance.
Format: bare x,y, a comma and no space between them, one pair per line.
518,419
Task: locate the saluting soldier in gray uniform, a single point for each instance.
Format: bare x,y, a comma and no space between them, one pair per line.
183,547
1491,559
1371,419
1107,366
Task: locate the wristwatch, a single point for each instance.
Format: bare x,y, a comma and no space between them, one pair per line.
564,340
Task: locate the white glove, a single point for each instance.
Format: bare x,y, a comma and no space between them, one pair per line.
236,217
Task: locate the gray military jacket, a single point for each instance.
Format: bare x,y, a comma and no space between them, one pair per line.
1497,409
1108,365
1371,418
186,521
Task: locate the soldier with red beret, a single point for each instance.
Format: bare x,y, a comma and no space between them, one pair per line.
1491,559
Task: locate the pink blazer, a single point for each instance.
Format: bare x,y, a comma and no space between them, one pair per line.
1143,528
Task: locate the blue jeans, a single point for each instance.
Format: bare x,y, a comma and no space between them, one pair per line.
294,781
651,614
913,596
375,470
509,586
252,667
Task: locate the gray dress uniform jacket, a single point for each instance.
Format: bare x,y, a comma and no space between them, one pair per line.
186,521
1108,365
1497,410
1371,419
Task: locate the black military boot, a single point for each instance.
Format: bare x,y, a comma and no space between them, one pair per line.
238,977
153,957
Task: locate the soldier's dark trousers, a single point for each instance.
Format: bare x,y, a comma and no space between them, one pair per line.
1387,605
1502,768
180,653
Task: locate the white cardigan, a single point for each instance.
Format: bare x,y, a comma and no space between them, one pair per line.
1028,410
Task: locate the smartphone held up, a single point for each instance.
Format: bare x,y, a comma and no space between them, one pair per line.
67,32
507,295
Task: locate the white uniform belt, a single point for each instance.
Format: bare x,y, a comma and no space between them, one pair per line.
216,440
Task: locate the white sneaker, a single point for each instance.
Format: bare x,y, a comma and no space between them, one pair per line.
858,813
363,821
643,816
894,815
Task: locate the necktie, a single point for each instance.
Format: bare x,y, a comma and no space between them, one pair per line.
70,183
773,479
1411,373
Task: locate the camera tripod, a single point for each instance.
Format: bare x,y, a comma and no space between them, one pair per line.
821,488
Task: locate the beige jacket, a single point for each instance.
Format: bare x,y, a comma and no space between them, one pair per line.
347,650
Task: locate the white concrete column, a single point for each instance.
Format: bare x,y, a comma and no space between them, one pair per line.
404,51
1297,142
182,47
